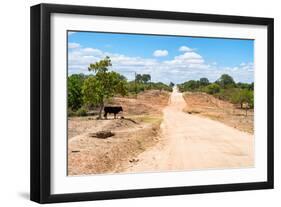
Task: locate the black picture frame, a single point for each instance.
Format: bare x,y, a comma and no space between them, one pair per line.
40,103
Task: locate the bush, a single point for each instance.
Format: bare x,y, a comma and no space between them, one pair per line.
74,91
243,96
226,94
70,112
133,87
226,81
212,88
81,112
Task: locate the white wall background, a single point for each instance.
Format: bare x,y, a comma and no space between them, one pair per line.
14,102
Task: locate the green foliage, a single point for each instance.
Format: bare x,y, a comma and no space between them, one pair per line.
161,86
212,88
101,66
143,78
104,85
224,88
204,81
70,112
245,86
81,112
243,96
146,78
226,81
135,87
171,84
194,85
92,91
74,91
191,85
226,94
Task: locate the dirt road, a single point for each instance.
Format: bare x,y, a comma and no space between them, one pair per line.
190,142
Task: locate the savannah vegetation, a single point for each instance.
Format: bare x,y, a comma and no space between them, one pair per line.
93,91
224,88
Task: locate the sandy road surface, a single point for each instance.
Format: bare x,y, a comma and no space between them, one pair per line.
192,142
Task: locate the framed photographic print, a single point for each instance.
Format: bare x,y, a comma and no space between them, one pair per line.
133,103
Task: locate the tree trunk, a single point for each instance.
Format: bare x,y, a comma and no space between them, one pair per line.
101,108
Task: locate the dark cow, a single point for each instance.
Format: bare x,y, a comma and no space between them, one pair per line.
112,110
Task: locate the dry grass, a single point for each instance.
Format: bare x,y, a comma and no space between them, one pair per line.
223,111
133,134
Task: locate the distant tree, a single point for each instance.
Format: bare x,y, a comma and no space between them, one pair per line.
143,78
204,81
251,87
138,78
146,78
242,85
122,77
225,81
74,91
96,90
191,85
212,88
242,97
171,84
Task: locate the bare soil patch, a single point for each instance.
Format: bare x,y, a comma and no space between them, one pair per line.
133,134
223,111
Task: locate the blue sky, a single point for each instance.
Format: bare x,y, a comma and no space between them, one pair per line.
166,58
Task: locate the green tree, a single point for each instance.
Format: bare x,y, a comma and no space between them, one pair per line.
242,97
204,81
138,78
104,85
191,85
146,78
143,78
212,88
251,87
225,81
74,91
171,84
92,91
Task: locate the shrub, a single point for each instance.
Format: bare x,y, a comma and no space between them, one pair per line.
81,112
243,96
226,81
212,88
70,112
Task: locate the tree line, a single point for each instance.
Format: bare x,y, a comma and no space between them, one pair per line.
224,88
94,90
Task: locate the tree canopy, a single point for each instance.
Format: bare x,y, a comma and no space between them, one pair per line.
225,81
74,91
212,88
143,78
204,81
104,85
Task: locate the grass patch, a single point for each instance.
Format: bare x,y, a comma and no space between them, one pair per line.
149,119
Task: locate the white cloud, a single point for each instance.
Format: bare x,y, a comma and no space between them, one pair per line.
187,58
160,53
185,49
184,67
91,51
73,45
